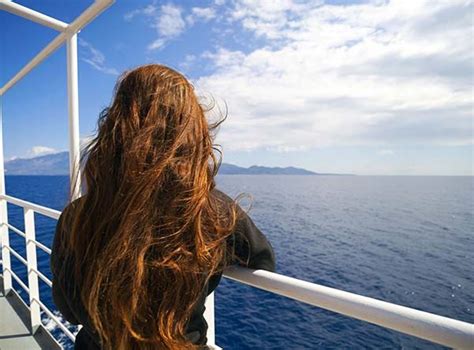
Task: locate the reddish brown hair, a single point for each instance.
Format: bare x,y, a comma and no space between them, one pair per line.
149,232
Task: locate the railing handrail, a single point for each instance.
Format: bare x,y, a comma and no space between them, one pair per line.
52,213
33,15
432,327
438,329
67,35
97,7
31,259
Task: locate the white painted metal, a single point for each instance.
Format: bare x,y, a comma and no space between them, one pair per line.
48,50
33,285
69,34
42,247
6,260
73,101
209,316
19,281
44,278
88,15
22,234
18,256
53,214
32,15
4,239
15,230
214,347
55,319
438,329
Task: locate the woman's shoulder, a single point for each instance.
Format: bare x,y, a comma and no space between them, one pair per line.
70,208
64,221
218,194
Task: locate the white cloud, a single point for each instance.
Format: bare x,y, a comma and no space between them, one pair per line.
167,20
170,21
148,10
379,73
386,152
95,58
204,13
157,44
224,58
268,18
188,62
37,151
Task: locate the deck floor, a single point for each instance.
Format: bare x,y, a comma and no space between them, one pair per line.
15,331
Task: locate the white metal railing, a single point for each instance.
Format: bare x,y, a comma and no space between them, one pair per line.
32,289
435,328
67,34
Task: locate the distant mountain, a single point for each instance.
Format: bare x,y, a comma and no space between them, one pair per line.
230,169
51,164
58,164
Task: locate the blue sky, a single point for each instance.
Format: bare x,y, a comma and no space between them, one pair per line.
366,87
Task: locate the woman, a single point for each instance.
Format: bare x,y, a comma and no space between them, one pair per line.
134,259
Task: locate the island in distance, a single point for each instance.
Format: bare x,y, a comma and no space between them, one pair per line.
58,164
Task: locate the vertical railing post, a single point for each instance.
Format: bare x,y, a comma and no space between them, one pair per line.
73,103
33,286
4,239
210,319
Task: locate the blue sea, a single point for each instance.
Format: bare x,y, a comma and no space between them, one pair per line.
406,240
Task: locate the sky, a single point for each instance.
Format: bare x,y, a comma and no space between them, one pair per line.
363,87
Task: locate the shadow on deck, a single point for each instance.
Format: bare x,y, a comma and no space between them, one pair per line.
15,331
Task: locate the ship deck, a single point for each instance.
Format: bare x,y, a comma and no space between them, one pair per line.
15,332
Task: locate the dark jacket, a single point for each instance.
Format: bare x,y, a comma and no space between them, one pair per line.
249,244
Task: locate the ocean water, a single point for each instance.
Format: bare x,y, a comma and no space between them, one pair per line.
406,240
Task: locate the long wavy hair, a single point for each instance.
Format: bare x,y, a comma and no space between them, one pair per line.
149,232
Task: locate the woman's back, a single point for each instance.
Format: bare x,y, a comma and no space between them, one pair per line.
249,246
134,259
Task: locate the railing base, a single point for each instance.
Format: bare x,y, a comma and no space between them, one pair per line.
42,336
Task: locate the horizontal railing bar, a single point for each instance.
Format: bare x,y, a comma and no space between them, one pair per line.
22,234
438,329
43,54
32,15
18,256
44,278
56,320
88,15
14,229
20,282
54,214
41,246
